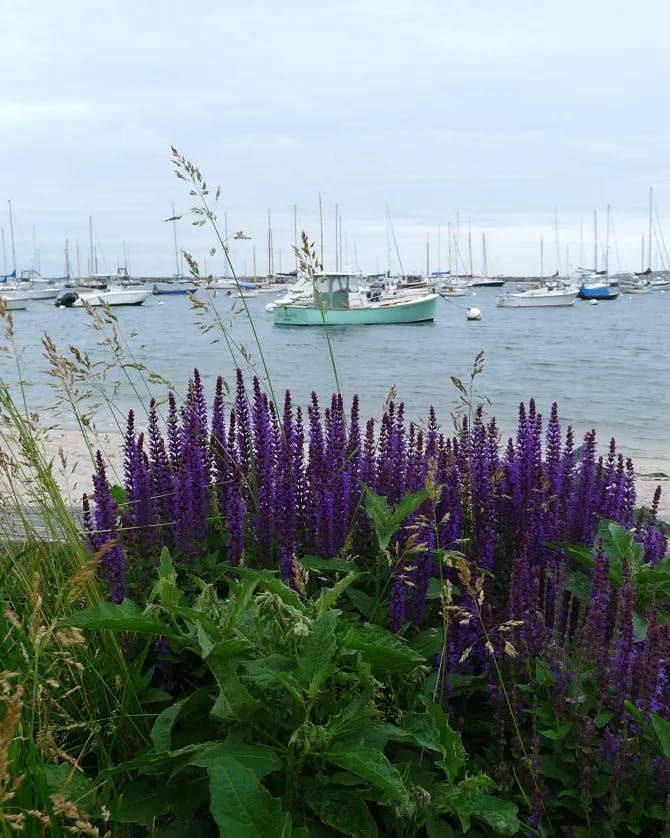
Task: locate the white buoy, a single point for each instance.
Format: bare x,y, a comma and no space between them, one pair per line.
474,314
594,302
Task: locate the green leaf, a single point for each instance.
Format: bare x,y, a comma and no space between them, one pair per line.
387,521
382,649
317,650
268,580
662,730
127,616
161,733
259,759
371,765
264,672
234,702
240,805
500,814
344,811
327,565
362,601
329,596
560,733
141,802
449,741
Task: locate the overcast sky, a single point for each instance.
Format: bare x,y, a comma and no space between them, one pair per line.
518,118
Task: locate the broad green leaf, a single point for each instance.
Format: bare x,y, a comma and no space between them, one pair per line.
377,510
662,730
436,827
500,814
371,765
141,802
224,650
428,642
161,733
317,651
330,595
234,702
382,649
268,580
344,811
409,504
263,672
327,565
449,741
240,805
387,521
362,601
560,733
126,616
259,759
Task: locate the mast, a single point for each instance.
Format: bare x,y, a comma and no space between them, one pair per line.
295,236
427,255
607,243
178,272
558,250
439,262
269,245
91,271
67,258
225,239
449,241
254,252
649,242
321,222
470,247
11,233
485,267
337,244
541,258
388,214
595,241
4,253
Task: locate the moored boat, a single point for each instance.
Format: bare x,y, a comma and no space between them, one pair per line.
112,296
543,296
341,299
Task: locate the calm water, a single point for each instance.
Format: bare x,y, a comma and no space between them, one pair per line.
607,366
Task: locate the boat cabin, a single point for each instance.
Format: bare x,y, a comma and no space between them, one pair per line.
337,290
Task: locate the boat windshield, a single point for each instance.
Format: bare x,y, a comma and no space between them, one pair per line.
332,290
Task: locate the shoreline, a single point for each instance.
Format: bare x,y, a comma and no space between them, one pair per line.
73,466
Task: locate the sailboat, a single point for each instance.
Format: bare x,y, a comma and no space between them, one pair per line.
594,284
484,280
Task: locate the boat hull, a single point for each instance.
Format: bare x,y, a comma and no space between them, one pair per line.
14,303
407,311
526,300
605,293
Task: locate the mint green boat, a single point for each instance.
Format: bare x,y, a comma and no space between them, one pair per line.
341,299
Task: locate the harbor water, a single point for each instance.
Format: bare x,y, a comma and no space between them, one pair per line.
607,365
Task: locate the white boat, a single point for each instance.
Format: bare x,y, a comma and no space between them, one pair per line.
341,299
539,297
14,301
114,295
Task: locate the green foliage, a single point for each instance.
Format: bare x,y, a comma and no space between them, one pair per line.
299,718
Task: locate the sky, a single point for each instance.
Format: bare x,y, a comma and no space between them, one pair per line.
414,128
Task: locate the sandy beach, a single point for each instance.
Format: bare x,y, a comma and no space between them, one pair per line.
73,467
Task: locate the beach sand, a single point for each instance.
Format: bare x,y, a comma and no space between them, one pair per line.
73,466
